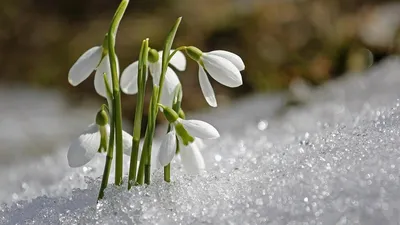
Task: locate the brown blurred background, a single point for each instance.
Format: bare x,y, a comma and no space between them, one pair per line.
280,41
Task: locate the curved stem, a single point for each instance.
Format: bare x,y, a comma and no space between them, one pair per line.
175,51
116,92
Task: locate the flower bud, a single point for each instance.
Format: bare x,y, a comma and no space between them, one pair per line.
153,56
170,114
194,53
102,116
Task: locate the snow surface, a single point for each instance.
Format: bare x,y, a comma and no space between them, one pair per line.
334,160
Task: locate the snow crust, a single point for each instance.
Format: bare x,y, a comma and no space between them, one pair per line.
334,160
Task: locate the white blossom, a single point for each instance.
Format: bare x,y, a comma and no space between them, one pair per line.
89,61
192,160
129,76
200,129
87,144
224,67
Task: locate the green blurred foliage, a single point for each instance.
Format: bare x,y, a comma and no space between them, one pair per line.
279,41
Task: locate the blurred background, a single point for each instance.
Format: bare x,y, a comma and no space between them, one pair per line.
292,45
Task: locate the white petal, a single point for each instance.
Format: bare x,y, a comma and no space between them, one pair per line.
99,84
171,80
206,88
84,66
232,57
155,163
200,129
168,92
167,149
199,143
127,143
84,148
129,78
155,71
222,70
171,83
178,60
192,160
167,98
108,130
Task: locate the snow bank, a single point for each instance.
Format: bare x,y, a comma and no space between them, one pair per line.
332,161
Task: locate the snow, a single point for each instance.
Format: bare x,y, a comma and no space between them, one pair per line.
334,160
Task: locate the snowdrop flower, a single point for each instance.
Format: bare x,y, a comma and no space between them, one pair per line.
222,65
191,157
92,140
184,133
129,76
97,59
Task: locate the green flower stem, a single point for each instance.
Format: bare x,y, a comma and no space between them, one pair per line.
107,167
167,173
116,92
153,110
142,73
175,51
151,128
167,168
110,150
145,159
176,107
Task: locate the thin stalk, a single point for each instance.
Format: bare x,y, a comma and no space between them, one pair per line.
145,161
175,51
143,157
116,92
144,172
164,66
167,173
142,73
110,150
153,107
148,139
167,168
107,167
176,107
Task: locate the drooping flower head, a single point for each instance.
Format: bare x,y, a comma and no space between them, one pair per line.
129,76
184,134
222,65
93,140
96,58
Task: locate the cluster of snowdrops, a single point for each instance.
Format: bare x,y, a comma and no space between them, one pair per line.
183,136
